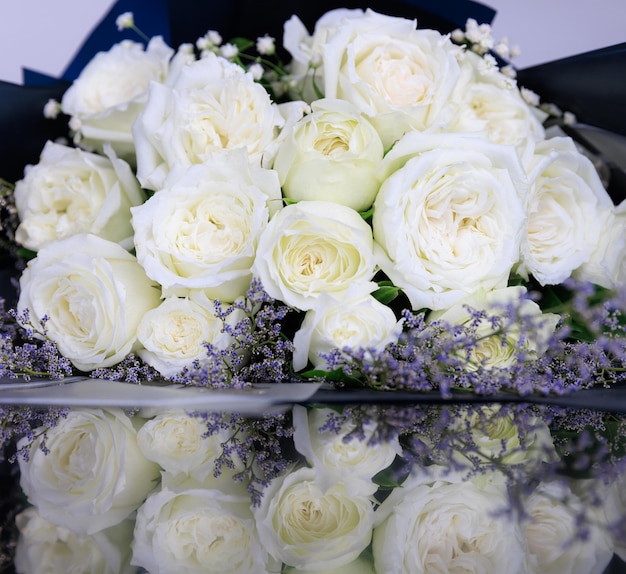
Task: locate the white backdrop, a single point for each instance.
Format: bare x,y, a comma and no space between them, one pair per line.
544,29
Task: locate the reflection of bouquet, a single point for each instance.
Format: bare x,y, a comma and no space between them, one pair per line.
387,212
394,489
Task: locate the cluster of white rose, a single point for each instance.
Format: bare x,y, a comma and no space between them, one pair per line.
113,494
464,186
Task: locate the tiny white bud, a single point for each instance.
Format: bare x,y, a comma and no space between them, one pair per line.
75,124
529,96
257,71
458,35
214,37
316,61
185,48
569,118
51,109
265,45
502,50
203,43
509,71
515,51
125,20
229,51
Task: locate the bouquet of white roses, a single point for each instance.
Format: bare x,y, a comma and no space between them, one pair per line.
386,211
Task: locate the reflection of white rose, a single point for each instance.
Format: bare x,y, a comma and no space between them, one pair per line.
71,191
488,102
354,462
495,434
552,525
212,106
352,319
448,219
502,349
398,76
44,547
303,526
178,442
607,263
362,565
94,294
110,91
568,212
331,155
197,531
201,231
93,475
173,335
448,524
313,247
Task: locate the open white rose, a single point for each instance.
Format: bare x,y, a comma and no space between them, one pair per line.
447,524
197,531
94,293
177,441
352,319
551,529
111,90
93,475
448,219
487,102
173,335
202,230
331,155
525,328
71,191
45,548
213,105
306,527
568,212
333,458
607,263
398,76
313,247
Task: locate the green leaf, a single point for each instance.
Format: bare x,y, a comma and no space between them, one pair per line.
386,294
242,43
27,254
337,375
367,214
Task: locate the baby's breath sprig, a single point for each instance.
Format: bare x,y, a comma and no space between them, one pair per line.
126,21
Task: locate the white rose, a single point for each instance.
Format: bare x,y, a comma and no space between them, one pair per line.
313,247
202,230
334,459
306,50
71,191
552,526
398,76
93,475
178,442
499,346
44,548
305,527
488,102
199,531
568,212
447,524
94,294
212,106
111,90
448,219
607,263
331,155
173,335
352,319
